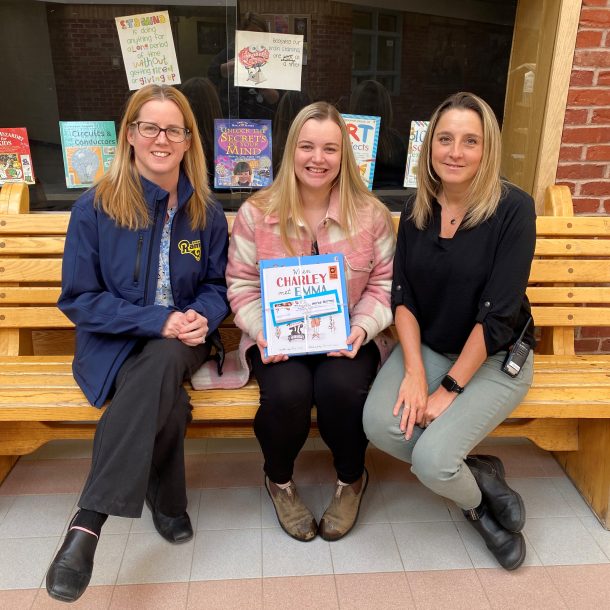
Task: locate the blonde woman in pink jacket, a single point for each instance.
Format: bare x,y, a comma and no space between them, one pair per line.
318,204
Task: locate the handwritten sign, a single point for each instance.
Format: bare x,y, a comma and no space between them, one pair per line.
148,49
268,60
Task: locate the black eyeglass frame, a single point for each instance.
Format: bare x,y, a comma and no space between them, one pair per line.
187,132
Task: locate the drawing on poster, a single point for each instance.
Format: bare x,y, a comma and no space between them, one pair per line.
268,60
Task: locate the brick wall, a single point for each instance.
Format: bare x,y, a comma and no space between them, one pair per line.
584,160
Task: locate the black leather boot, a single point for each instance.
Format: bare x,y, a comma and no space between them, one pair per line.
505,504
507,547
70,572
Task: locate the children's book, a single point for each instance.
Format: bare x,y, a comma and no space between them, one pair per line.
88,148
304,304
416,138
15,157
364,135
242,153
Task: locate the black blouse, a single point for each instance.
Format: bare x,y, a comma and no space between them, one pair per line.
479,275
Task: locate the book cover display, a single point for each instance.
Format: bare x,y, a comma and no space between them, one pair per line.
416,138
304,302
15,157
148,49
242,153
88,148
364,136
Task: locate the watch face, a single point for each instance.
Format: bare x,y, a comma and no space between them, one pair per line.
451,385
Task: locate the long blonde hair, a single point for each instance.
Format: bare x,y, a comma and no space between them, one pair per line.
282,198
486,188
119,192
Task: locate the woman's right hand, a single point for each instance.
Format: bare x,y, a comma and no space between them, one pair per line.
412,397
262,344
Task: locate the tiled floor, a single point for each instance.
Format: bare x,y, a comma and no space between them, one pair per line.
410,549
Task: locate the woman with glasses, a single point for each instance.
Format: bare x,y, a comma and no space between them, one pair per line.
143,281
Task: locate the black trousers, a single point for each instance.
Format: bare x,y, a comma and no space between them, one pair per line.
338,387
139,440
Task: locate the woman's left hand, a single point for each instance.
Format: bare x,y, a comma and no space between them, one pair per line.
355,339
194,330
438,402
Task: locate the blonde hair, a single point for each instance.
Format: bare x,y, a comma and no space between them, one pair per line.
282,198
486,188
119,192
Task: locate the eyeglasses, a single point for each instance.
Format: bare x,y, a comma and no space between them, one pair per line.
152,130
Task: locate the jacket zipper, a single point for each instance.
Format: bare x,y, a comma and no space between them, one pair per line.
136,271
150,246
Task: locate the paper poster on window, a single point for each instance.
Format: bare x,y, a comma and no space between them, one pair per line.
416,138
88,148
364,135
304,304
15,157
148,49
242,153
268,60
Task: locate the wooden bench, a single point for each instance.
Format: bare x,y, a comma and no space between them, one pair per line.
567,410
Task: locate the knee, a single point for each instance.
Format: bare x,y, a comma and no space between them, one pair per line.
286,396
430,466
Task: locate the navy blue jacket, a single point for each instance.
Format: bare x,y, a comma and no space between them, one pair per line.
109,280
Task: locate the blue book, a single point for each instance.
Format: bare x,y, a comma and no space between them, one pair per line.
304,304
364,137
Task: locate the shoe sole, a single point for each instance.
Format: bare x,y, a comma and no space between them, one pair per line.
280,521
171,541
366,482
499,466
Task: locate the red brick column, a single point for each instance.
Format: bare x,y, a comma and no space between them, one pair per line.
584,160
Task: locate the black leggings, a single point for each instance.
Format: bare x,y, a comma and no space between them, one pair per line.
338,387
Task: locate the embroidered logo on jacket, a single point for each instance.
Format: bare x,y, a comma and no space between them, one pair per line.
190,247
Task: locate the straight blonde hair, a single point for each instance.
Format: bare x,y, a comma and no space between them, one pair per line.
282,198
119,192
486,188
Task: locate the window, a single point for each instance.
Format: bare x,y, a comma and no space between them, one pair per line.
376,48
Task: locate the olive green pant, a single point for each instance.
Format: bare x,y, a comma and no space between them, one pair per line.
437,453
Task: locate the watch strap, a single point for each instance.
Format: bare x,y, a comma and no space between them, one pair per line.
451,385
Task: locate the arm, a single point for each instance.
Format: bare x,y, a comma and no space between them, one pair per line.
243,281
372,312
85,298
211,299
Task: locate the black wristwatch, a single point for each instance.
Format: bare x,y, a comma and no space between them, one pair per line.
451,385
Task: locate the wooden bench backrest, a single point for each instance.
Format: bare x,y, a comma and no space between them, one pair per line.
568,284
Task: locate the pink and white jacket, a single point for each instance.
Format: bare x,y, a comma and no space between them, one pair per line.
369,258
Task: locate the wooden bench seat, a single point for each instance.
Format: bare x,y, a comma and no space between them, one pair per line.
566,411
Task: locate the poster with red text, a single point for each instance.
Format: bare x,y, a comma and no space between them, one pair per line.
15,157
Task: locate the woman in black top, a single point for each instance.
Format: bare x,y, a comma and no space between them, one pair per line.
465,247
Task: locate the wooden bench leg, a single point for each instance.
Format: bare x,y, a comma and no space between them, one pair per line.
6,465
589,467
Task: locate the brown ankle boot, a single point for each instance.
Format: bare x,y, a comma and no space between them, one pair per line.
342,512
294,517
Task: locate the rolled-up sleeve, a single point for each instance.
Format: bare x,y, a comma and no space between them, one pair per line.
402,293
503,293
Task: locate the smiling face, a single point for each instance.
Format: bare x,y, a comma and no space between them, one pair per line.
457,147
317,158
158,159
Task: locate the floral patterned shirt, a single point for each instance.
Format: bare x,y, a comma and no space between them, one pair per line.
163,295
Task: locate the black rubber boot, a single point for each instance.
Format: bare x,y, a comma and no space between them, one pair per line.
505,504
507,547
70,572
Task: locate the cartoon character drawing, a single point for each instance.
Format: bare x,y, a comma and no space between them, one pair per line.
296,332
332,326
253,58
315,327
